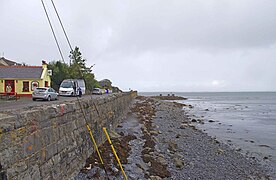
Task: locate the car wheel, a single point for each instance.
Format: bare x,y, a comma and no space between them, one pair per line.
34,99
49,98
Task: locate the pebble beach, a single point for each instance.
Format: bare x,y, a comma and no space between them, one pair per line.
158,141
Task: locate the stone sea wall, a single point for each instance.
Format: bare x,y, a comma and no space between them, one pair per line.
52,142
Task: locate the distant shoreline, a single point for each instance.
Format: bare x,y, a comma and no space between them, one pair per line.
171,97
178,92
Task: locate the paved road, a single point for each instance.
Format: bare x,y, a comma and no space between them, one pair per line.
27,101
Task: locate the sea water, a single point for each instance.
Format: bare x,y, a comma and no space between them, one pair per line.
244,120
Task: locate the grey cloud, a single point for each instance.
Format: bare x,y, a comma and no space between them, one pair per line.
198,25
196,45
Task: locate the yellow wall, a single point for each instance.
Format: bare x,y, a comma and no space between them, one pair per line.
45,76
18,83
2,85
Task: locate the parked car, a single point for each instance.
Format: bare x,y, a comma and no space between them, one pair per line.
97,91
45,93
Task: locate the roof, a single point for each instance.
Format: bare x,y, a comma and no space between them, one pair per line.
6,62
20,72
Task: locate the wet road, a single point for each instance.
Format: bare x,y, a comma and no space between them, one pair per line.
24,102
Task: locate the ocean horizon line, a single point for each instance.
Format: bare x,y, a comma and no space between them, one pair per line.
206,91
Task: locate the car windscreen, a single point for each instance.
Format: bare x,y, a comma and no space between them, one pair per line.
66,84
40,89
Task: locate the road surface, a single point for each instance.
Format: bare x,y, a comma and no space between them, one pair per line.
27,102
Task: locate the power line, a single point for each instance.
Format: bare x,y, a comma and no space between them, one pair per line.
62,28
52,31
62,25
85,119
67,38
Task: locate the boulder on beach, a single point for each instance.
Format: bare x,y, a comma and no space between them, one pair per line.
178,163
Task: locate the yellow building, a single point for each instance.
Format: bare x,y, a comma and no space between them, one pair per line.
24,79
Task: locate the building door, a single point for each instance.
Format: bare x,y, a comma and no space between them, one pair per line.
11,82
46,84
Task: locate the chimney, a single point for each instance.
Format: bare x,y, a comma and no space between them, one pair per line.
44,64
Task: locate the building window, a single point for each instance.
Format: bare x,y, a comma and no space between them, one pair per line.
34,85
26,86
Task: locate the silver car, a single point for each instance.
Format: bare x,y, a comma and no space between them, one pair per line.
97,91
45,93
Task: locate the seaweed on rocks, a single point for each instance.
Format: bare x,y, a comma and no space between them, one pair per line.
160,141
122,148
146,112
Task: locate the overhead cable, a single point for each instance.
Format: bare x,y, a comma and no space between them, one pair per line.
62,25
52,31
83,113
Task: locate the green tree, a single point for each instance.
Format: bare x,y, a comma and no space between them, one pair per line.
60,72
78,67
89,80
79,70
76,70
106,84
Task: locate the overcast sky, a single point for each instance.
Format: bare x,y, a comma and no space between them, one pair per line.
153,45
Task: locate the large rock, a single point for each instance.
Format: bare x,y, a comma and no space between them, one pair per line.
142,166
155,133
162,160
172,146
178,163
183,126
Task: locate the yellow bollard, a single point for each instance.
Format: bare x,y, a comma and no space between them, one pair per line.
95,144
115,154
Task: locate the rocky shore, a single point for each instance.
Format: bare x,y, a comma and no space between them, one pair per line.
158,141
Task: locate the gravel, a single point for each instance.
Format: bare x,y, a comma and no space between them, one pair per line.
169,146
204,157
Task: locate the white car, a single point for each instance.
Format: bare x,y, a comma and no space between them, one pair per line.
45,93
